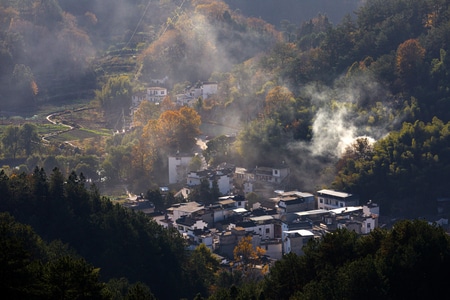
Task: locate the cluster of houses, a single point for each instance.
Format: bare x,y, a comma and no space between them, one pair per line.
191,94
281,224
284,226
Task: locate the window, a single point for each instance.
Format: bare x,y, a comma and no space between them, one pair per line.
320,200
267,230
368,225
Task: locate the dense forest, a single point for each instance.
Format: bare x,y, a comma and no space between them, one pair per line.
279,13
359,103
81,245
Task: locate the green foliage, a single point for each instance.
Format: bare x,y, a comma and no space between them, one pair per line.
98,230
217,150
202,269
388,264
115,94
410,165
18,140
29,270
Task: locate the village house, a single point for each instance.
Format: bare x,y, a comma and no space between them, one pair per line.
271,175
204,90
223,177
330,199
227,240
209,88
268,227
267,178
152,94
294,201
361,220
295,240
195,231
189,209
178,166
139,203
224,209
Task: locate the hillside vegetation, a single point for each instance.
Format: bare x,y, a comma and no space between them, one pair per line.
361,105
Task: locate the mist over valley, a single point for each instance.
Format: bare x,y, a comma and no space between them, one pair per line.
106,105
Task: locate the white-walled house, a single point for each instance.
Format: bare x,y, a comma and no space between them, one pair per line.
156,94
271,175
224,179
178,167
186,225
152,94
265,226
330,199
208,89
295,240
294,201
189,209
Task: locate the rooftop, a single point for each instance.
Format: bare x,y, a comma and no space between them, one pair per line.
301,232
312,212
188,207
346,209
262,218
334,193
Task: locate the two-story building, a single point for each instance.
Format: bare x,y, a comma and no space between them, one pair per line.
294,201
225,208
156,94
178,166
295,240
271,175
267,226
190,209
152,94
330,199
223,177
209,88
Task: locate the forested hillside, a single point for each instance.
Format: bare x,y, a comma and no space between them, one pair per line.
361,105
79,244
304,92
294,11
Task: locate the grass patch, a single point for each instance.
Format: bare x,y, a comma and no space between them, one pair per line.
43,129
77,134
101,131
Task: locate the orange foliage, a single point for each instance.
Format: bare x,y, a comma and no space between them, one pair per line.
410,55
276,97
6,16
34,87
169,37
213,9
173,130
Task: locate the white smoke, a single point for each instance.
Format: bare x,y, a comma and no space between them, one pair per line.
337,123
332,132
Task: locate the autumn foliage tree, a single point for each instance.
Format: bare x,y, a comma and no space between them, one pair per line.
174,130
409,61
246,256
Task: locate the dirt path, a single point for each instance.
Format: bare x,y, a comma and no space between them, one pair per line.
70,126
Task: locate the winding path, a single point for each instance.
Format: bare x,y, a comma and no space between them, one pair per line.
69,126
